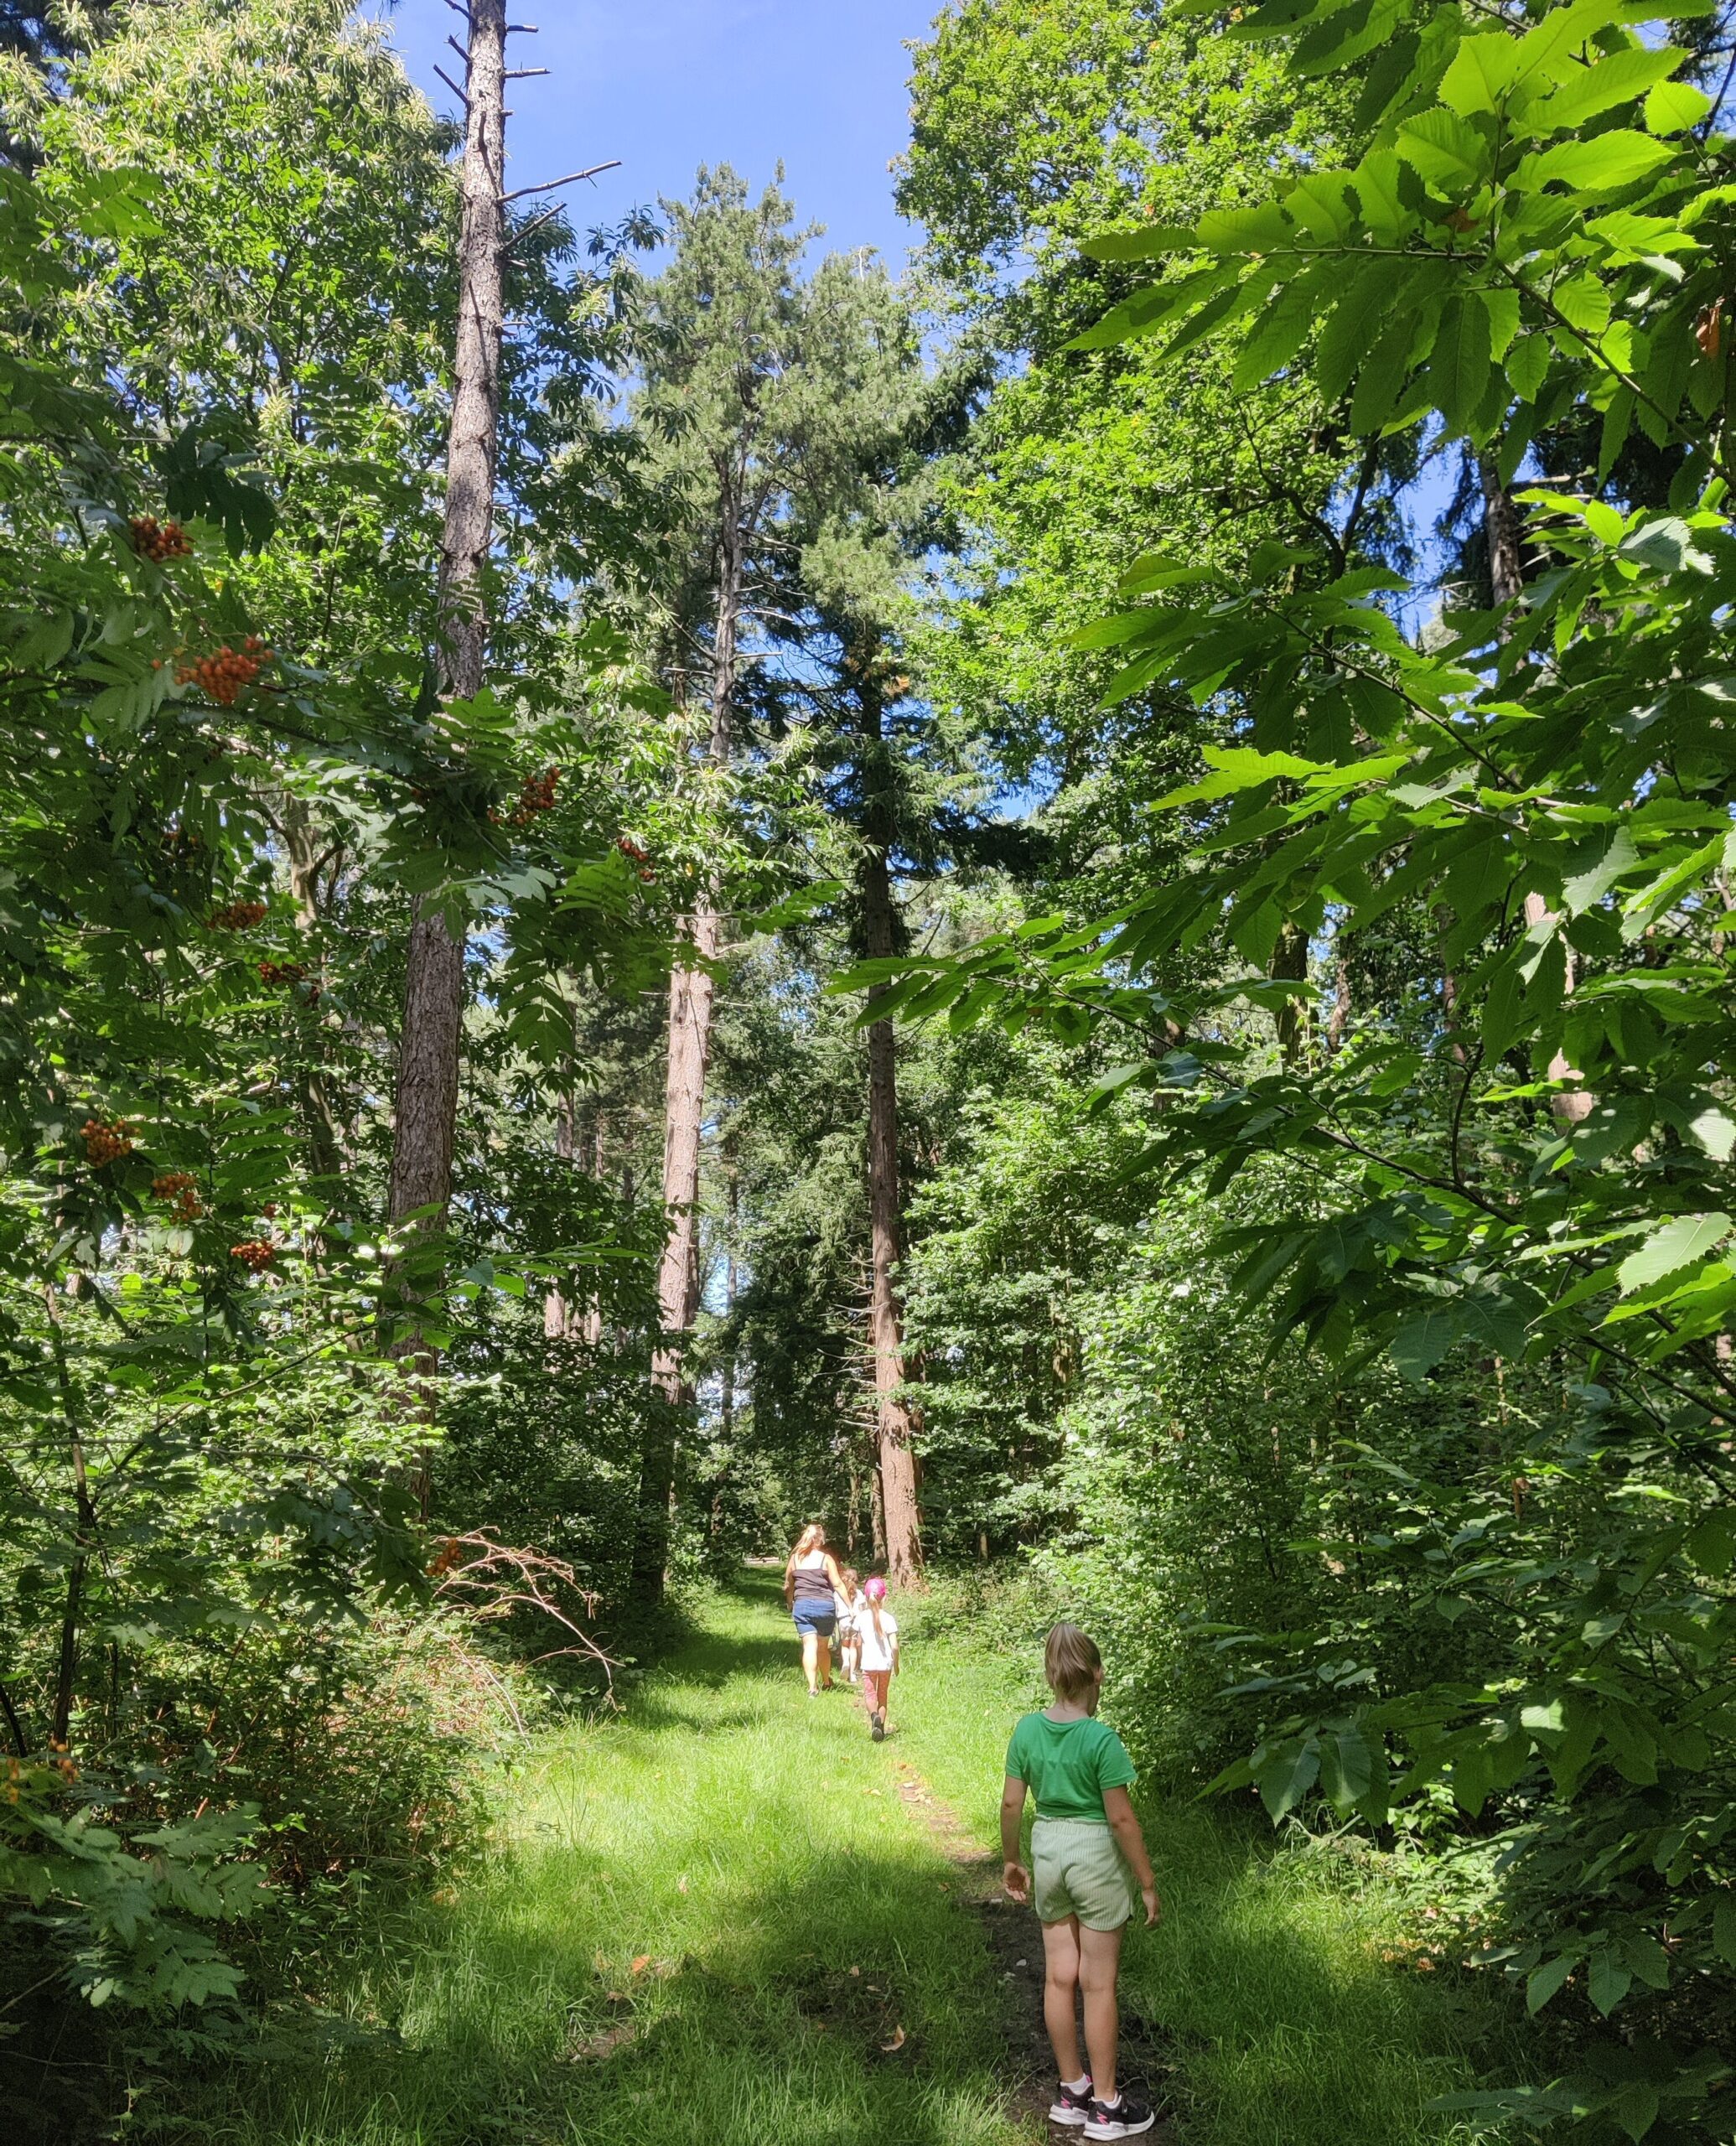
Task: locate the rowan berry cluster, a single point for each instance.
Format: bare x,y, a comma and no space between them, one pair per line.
227,671
158,540
535,795
180,1188
256,1254
286,972
238,916
107,1140
642,858
450,1552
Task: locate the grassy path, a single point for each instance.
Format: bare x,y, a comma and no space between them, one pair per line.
708,1919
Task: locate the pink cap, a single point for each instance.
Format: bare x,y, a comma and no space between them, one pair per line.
875,1588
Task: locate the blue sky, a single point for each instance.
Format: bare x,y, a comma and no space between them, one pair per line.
668,84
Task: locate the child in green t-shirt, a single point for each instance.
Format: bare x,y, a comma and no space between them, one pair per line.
1089,1860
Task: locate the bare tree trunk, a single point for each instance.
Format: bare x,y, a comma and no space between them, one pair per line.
325,1139
898,1423
1295,1023
556,1313
426,1116
1338,1018
726,1402
84,1539
692,993
1507,581
1501,532
591,1327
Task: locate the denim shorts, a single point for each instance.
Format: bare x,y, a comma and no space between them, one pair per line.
818,1617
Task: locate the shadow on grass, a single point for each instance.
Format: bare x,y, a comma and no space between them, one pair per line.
846,2002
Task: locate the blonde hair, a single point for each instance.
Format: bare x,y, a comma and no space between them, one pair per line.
1070,1663
852,1580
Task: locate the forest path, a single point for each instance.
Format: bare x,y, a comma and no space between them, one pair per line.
718,1917
725,1917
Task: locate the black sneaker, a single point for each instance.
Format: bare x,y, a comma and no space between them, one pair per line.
1071,2106
879,1731
1124,2118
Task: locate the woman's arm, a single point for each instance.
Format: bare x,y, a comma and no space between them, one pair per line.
1124,1824
1014,1877
834,1574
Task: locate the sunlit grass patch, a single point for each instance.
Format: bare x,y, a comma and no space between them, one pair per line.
1267,1980
658,1949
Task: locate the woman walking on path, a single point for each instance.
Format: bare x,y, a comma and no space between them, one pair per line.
811,1579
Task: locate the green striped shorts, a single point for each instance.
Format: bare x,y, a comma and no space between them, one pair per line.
1076,1869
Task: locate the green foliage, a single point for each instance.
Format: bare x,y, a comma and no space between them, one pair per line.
1542,1182
222,786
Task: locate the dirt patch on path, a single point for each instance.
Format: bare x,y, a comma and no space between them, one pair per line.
1015,1940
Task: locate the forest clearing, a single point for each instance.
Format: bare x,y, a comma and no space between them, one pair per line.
1055,921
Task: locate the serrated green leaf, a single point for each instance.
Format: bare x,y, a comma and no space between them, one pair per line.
1618,77
1543,1982
1458,366
1673,107
1608,1981
1448,152
1348,329
1382,376
1480,75
1527,362
1682,1243
1285,1774
1602,164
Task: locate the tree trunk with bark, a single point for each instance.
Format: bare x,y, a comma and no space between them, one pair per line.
425,1120
1294,1022
558,1314
306,861
426,1110
897,1422
84,1540
692,997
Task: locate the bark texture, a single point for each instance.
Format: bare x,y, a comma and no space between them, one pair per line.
307,862
691,996
426,1115
558,1314
1293,1020
897,1422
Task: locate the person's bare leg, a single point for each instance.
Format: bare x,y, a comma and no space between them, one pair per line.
1060,1980
823,1655
810,1657
1100,1953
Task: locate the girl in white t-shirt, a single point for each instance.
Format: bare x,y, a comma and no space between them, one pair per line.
876,1634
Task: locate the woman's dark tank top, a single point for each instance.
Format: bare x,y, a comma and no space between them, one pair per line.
811,1584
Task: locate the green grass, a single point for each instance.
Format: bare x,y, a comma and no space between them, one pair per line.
747,1846
724,1832
1286,2027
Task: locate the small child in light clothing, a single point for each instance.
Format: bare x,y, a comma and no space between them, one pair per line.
877,1636
848,1600
1093,1874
